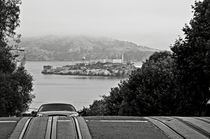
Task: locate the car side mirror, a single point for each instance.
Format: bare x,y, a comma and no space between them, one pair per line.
34,113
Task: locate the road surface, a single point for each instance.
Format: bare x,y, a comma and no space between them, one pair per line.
107,127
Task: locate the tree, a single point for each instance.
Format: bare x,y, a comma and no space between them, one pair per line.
113,101
192,58
150,90
97,108
170,84
15,82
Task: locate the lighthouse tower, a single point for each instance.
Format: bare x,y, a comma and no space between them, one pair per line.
122,58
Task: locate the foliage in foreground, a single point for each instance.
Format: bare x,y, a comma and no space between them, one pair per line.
192,58
15,82
174,83
148,91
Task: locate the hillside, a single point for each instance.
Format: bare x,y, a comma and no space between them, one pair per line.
75,48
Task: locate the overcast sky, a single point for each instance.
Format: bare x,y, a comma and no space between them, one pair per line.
153,23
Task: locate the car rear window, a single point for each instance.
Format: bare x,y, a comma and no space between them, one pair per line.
56,107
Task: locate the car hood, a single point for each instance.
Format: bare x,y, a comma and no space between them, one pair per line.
57,113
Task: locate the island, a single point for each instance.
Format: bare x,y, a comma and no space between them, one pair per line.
92,69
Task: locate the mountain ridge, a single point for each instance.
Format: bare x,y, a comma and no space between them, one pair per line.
74,48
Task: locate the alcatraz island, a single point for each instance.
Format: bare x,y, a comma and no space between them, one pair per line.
111,67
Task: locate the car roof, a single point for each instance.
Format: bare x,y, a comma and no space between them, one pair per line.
57,103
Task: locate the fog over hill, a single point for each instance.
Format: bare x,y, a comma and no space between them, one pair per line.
75,48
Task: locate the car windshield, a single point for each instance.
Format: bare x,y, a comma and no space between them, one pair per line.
56,107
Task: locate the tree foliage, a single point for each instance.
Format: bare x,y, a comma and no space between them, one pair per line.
148,91
176,83
192,58
15,82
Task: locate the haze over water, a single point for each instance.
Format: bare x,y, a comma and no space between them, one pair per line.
78,90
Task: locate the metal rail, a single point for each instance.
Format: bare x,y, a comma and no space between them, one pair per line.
204,120
198,129
49,128
51,132
24,128
54,128
78,132
169,127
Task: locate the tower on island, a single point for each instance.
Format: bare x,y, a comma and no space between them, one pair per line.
122,58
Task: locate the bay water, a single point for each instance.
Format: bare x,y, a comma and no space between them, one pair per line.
79,91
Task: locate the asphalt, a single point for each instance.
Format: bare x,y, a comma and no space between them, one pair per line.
105,127
36,128
123,128
159,127
66,129
178,127
7,126
54,127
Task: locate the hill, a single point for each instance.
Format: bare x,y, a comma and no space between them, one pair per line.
75,48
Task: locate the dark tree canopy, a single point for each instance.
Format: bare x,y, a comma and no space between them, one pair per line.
15,82
9,13
176,83
148,91
192,58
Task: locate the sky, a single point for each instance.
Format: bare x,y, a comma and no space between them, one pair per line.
152,23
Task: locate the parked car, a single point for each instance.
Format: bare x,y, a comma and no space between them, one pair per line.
56,109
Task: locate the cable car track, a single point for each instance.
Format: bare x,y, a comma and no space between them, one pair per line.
77,128
196,128
54,127
51,132
25,128
51,128
173,130
182,127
